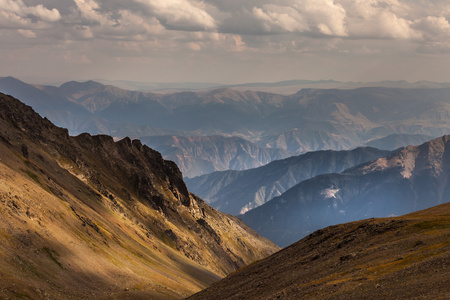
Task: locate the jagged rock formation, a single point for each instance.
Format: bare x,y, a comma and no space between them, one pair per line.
236,192
393,258
414,178
87,217
198,155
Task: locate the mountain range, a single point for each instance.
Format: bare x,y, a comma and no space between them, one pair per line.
237,192
390,258
309,120
411,179
198,155
87,217
396,141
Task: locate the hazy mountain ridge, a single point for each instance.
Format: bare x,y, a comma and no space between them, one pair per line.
390,258
395,141
89,217
347,117
198,155
309,120
411,179
238,192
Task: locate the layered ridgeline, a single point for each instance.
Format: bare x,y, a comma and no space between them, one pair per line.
414,178
198,155
237,192
392,258
396,141
311,119
87,217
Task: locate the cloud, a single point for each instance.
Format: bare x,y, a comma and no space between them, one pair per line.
180,14
15,14
27,33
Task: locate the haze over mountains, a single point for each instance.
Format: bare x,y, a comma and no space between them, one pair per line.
87,217
309,120
411,179
237,192
197,155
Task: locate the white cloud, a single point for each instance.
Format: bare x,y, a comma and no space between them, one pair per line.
180,14
15,14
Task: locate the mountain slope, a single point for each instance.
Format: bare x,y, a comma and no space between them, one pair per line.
198,155
87,217
393,258
414,178
236,192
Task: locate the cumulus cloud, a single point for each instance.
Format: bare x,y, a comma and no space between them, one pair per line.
15,14
180,14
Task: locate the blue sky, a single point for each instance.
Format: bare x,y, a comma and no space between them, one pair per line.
225,41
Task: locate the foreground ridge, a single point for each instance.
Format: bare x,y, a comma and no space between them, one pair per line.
87,217
404,257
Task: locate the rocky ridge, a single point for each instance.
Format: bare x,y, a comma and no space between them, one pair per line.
89,217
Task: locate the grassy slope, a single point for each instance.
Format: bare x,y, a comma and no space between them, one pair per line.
405,257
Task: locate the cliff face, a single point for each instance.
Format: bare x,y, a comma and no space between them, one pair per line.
89,217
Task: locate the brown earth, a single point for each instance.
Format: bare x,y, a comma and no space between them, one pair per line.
404,257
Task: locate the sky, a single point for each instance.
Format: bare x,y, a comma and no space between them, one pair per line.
225,41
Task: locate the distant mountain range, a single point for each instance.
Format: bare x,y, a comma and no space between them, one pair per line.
309,120
86,217
395,141
411,179
391,258
236,192
206,154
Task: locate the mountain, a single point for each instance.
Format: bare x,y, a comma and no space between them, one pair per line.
395,141
87,217
237,192
71,106
391,258
411,179
198,155
309,120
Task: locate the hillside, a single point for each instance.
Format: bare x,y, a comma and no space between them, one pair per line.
87,217
411,179
198,155
237,192
391,258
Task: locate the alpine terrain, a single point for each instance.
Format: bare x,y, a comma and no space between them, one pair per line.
88,218
237,192
411,179
404,257
198,155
